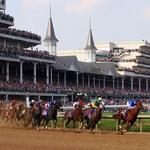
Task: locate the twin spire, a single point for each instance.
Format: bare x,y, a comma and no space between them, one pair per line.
51,39
50,34
90,41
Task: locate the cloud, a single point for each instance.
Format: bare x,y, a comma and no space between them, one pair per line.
34,4
82,6
147,13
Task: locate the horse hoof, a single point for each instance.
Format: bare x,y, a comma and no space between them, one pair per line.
38,129
124,130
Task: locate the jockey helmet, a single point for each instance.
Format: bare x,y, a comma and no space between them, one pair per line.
99,98
33,101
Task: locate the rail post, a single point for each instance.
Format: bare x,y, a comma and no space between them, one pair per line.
117,122
140,123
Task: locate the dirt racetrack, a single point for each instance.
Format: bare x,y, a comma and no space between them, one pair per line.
27,139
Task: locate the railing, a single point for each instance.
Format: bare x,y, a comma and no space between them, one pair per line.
140,118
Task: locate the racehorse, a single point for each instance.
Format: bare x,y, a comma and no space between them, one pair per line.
20,114
51,115
130,117
92,117
9,114
37,117
73,115
28,117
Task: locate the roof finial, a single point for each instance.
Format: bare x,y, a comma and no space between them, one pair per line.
50,9
90,22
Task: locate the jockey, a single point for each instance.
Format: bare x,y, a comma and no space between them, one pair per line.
46,105
32,103
13,104
96,102
78,104
51,104
131,104
46,109
39,104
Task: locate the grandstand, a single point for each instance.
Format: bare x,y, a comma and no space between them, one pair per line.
25,72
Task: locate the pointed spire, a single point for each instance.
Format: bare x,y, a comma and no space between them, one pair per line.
50,34
90,42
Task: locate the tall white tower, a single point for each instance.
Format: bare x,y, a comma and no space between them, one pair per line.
50,41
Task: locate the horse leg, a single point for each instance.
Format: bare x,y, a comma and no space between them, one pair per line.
74,124
27,122
92,126
87,121
38,122
46,123
55,122
81,125
119,125
62,123
128,125
68,121
43,120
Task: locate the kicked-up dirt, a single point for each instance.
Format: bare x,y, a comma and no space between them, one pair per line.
12,138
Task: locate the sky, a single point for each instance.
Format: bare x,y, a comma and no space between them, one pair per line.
111,20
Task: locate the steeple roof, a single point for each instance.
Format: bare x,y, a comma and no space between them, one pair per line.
50,34
90,42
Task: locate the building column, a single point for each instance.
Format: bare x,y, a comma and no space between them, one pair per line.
65,78
94,81
21,72
117,83
123,83
51,71
77,78
147,88
5,42
139,84
131,83
7,71
3,70
99,82
6,98
31,48
18,45
113,82
104,83
83,80
88,80
34,69
58,78
47,74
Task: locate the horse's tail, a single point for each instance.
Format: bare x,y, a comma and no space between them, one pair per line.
116,116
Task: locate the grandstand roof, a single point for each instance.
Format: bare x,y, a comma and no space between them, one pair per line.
108,69
71,63
59,65
90,68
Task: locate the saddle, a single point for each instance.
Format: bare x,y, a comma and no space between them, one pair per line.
89,113
125,113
